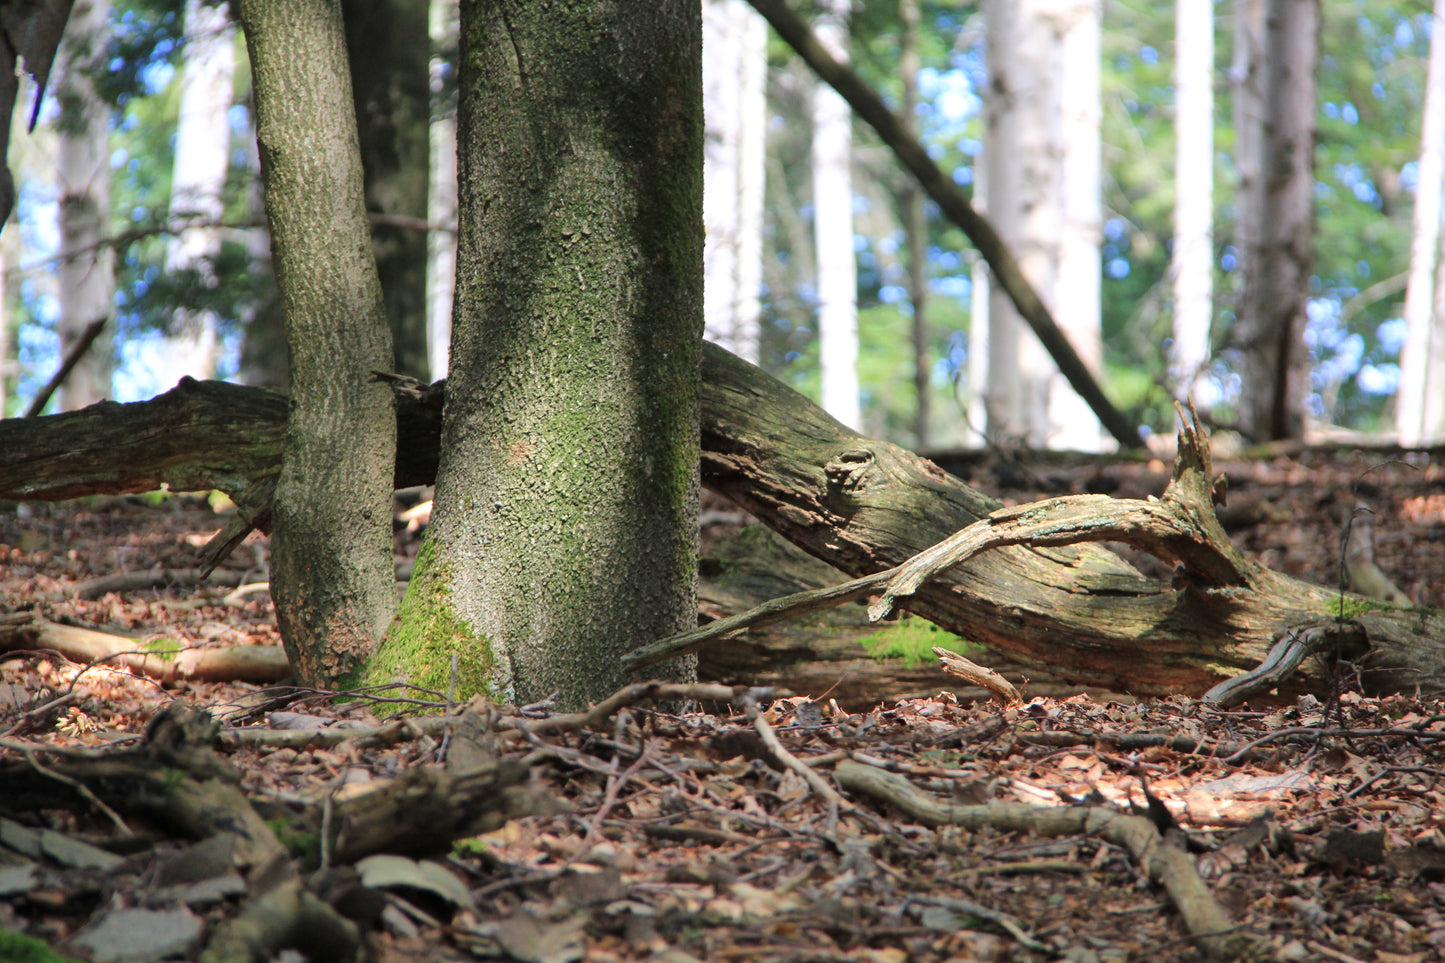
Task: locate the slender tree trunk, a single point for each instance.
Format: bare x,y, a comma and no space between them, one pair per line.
86,277
1420,400
331,568
203,151
734,75
265,359
1192,260
1072,424
389,44
833,229
1269,334
565,519
1022,155
9,261
915,225
441,205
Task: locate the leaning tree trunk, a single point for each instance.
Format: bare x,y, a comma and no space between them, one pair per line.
331,569
565,522
1079,614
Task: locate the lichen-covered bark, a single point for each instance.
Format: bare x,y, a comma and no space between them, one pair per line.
331,568
566,493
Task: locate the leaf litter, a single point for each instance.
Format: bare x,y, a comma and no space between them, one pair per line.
721,829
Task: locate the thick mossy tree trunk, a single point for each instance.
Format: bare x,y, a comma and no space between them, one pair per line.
390,50
564,531
331,567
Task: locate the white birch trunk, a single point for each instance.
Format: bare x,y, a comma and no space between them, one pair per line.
1420,399
734,75
1193,254
86,276
833,230
441,206
203,141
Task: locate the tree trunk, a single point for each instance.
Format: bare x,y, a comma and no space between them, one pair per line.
915,225
734,72
833,229
390,46
441,205
331,569
1078,615
1193,254
1420,399
1042,158
203,152
564,527
1268,338
1071,423
86,276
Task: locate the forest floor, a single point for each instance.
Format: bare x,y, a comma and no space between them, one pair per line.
675,835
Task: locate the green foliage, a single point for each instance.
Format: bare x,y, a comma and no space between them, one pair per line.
912,639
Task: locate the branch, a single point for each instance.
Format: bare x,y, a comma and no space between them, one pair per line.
72,358
1171,868
956,207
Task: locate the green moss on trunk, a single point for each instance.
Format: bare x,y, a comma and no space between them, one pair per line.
426,635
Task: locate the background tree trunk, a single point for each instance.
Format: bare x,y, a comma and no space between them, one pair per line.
734,76
203,153
1268,338
1041,155
390,46
1192,260
1420,399
331,568
915,224
833,229
564,527
441,205
1071,422
86,276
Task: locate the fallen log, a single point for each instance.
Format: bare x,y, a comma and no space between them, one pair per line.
1076,612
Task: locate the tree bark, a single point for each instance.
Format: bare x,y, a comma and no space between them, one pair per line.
331,570
565,516
1277,225
86,275
734,71
833,229
915,224
1192,257
1420,399
203,153
1077,615
389,45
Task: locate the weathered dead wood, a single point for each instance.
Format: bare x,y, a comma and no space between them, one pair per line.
1171,868
260,664
1077,612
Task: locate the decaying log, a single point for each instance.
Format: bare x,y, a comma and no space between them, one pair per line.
1076,611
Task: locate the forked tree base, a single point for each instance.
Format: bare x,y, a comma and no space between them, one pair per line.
1073,612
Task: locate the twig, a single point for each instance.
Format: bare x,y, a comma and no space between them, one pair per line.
80,788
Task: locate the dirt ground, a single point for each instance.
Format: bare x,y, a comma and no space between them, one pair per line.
679,834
